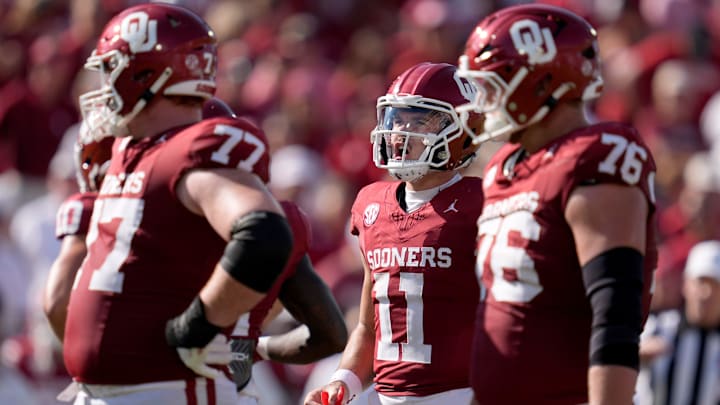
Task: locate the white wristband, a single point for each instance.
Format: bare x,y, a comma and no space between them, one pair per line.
350,379
262,347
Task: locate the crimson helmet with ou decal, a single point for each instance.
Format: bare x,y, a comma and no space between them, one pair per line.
92,159
524,60
147,50
419,109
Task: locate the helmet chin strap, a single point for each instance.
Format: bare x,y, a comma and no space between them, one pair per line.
144,100
551,102
409,174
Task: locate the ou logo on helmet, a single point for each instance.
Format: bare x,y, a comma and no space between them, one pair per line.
139,31
467,89
529,39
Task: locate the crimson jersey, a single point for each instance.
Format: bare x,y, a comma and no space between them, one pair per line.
148,256
249,324
73,216
424,287
532,331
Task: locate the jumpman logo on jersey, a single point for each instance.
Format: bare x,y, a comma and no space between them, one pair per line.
451,207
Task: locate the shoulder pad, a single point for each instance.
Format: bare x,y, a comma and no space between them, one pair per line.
614,154
73,216
225,142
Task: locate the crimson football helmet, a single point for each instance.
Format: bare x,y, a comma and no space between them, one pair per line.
419,109
146,50
92,159
217,108
524,60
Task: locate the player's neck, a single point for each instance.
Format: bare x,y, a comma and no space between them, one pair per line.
161,116
563,119
431,180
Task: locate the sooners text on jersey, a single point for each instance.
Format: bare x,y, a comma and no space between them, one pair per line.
424,288
536,320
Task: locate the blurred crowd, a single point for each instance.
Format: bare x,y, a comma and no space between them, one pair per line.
309,72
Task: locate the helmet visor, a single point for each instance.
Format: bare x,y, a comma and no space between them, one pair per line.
409,132
413,120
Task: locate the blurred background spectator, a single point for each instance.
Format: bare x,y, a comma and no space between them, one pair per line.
309,72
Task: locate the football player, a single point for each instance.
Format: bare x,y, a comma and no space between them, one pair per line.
565,241
92,158
417,239
184,235
301,291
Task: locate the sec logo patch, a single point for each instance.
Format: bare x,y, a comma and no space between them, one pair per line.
371,213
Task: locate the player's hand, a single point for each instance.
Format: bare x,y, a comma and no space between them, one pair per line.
331,394
199,359
652,347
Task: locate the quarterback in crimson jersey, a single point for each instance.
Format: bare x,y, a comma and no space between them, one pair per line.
566,247
417,239
424,287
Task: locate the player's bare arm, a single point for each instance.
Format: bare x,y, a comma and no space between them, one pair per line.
240,209
605,218
359,352
60,279
223,196
310,302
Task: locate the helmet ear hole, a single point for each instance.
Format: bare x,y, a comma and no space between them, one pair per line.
438,157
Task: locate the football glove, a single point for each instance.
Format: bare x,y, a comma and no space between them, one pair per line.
199,359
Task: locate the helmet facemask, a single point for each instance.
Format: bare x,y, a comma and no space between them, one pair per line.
413,135
491,100
92,159
102,108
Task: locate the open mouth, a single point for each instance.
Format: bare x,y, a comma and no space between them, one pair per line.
398,151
